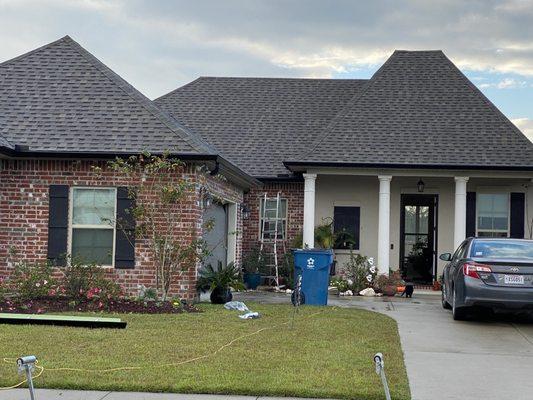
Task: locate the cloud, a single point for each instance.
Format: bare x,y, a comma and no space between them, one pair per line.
158,45
525,125
506,83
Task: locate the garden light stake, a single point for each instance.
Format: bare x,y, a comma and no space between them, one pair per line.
297,299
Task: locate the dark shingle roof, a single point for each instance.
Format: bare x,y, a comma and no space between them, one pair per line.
4,142
60,98
420,110
257,123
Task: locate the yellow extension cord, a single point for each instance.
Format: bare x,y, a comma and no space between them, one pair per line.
231,342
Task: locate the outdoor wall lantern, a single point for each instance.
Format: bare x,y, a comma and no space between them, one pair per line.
245,211
420,185
207,201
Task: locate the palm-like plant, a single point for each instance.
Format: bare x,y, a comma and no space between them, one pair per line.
324,236
219,280
221,277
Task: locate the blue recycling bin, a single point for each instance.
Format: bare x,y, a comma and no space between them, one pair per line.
314,266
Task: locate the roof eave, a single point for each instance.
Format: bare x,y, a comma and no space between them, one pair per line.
298,166
232,172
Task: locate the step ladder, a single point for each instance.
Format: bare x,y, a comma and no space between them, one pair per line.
270,237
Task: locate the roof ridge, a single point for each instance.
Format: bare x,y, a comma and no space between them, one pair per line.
346,108
258,78
191,138
419,51
28,53
280,78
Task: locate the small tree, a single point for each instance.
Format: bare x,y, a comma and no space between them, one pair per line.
162,191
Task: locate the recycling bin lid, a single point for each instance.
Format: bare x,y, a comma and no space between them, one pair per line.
313,251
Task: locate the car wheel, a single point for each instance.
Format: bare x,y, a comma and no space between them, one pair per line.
444,302
458,313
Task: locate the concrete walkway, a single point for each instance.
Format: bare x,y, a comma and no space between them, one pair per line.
446,359
49,394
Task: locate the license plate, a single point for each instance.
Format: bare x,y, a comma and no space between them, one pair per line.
513,279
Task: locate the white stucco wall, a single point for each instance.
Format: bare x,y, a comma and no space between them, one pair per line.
362,191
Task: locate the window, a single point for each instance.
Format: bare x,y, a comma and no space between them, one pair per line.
92,227
270,221
346,227
500,249
460,253
492,215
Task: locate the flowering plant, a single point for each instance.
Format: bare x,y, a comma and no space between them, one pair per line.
88,282
360,271
32,281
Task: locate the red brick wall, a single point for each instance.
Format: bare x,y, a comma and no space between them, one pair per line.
24,186
293,192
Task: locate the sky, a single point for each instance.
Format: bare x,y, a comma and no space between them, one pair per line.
159,45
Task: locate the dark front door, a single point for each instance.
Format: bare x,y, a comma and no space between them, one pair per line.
418,236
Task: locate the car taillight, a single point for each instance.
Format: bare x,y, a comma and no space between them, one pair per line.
473,269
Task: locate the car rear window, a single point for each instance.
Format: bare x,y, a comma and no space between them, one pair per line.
502,249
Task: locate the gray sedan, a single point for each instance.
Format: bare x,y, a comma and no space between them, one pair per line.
493,273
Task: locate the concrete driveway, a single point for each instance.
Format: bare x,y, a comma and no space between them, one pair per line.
446,359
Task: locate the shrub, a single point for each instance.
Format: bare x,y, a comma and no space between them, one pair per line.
254,261
340,283
3,289
88,282
286,269
32,281
360,272
222,277
391,279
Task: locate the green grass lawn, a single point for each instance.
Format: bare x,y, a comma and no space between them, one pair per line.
328,354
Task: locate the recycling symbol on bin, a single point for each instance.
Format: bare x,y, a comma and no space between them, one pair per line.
310,263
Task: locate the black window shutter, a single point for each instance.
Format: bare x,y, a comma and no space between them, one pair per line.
346,219
57,224
470,214
518,216
125,234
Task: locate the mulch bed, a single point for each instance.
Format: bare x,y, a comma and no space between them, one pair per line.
43,305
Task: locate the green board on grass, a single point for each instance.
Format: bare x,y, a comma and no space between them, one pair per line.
64,320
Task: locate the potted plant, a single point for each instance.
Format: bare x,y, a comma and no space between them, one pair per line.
220,281
388,284
252,265
324,236
437,284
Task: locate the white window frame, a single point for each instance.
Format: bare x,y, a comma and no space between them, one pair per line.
493,192
284,220
72,226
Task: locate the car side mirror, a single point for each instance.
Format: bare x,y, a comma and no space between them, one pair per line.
445,256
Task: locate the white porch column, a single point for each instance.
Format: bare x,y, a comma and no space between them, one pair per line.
459,233
309,211
384,224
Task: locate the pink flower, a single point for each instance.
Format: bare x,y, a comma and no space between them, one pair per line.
100,305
